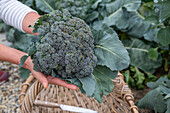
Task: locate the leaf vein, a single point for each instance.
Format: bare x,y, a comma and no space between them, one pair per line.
110,51
138,49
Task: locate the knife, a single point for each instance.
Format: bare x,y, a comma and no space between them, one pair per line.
64,107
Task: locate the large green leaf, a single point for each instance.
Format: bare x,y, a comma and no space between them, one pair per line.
138,52
131,22
130,5
104,85
164,36
137,26
151,34
117,12
160,95
24,42
28,2
107,7
92,16
45,5
109,49
94,6
168,106
164,9
153,100
117,19
147,9
161,81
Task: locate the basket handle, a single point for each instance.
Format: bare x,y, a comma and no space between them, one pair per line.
25,86
128,97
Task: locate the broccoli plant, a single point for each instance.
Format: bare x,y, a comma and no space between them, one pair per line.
75,7
67,48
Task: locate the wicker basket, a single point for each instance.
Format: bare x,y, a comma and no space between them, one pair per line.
36,99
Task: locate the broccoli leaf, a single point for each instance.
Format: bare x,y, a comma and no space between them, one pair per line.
45,5
163,36
24,73
10,35
92,16
131,22
31,50
139,77
168,106
138,52
79,85
130,5
153,54
88,84
23,42
129,79
153,100
22,60
104,85
109,49
27,2
94,6
1,26
163,6
161,81
151,34
96,85
160,95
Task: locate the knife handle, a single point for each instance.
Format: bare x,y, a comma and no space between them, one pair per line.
46,104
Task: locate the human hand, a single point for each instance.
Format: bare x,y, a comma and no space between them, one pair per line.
45,80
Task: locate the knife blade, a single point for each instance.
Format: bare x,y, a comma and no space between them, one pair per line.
76,109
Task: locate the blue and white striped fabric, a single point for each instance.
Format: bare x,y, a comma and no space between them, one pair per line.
12,12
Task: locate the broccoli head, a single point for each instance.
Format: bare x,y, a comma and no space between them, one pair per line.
75,7
65,46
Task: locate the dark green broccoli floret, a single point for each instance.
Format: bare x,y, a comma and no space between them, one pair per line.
75,7
65,46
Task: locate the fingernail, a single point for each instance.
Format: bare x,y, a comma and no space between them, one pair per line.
44,84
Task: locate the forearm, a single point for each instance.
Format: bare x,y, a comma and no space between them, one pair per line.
18,15
29,19
12,55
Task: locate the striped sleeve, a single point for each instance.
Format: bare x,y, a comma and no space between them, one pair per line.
12,12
